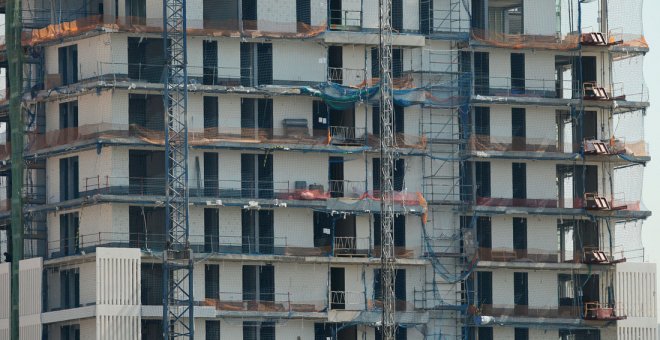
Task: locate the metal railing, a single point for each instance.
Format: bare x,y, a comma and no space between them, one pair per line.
344,20
340,299
347,76
264,302
348,135
211,244
152,73
344,188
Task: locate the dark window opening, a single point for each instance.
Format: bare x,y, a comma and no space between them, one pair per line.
221,14
335,64
249,14
484,288
426,25
257,231
519,180
320,117
520,237
505,16
398,228
478,18
520,293
152,329
68,64
211,177
397,15
518,129
70,288
259,283
256,64
482,121
211,230
253,330
485,333
256,117
69,115
257,176
399,174
345,241
146,227
69,234
303,14
342,127
69,177
210,61
397,63
146,172
136,12
399,287
579,334
152,286
146,111
70,332
146,59
322,230
336,176
401,333
212,281
481,73
485,235
337,288
482,175
212,329
517,73
521,334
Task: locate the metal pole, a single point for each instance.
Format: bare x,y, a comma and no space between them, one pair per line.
387,145
178,321
13,28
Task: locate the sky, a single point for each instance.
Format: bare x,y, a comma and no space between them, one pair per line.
651,189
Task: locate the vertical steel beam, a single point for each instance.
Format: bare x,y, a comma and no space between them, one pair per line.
387,146
177,258
13,28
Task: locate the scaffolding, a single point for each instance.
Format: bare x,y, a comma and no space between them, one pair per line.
449,87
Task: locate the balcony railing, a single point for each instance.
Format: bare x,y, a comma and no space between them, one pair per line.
215,244
152,73
344,20
347,76
344,188
568,203
276,302
348,135
348,300
563,312
551,42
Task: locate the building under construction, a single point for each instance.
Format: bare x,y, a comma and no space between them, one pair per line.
520,152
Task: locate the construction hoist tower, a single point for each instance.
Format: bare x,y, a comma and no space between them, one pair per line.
177,257
387,146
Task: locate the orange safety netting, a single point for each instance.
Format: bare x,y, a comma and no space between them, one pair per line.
519,41
278,136
227,28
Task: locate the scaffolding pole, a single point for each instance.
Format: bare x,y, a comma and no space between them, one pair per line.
178,300
13,28
387,145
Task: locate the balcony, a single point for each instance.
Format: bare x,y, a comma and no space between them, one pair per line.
528,41
152,73
207,244
280,303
